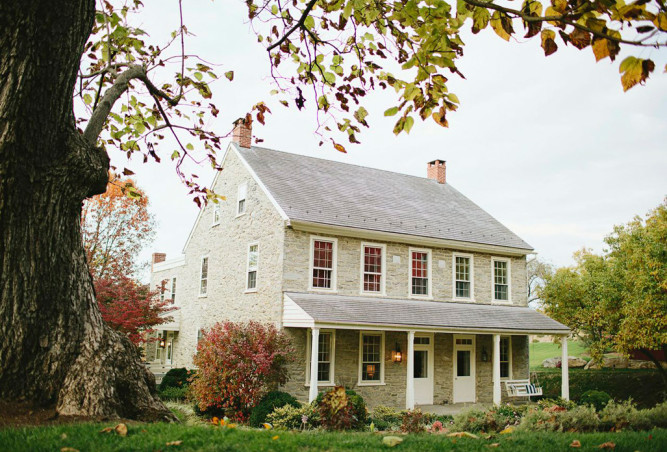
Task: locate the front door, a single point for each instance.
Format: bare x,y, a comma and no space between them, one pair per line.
464,369
423,359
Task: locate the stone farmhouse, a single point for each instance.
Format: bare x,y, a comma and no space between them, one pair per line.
396,286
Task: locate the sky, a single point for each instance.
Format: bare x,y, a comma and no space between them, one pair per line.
551,147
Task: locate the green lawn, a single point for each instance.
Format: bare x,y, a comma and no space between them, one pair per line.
539,351
152,437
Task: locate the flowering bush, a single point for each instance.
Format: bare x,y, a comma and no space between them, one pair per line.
238,364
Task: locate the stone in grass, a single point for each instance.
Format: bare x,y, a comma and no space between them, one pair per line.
391,441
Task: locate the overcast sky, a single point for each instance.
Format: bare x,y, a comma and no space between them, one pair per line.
551,147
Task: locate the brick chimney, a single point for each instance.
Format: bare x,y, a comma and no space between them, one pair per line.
157,258
437,170
242,134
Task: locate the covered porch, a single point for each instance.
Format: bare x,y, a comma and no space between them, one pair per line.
408,353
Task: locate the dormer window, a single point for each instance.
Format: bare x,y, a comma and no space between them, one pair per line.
323,263
241,198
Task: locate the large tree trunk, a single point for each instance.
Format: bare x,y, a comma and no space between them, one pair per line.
55,349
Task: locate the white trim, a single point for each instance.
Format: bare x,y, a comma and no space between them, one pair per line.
473,362
294,316
509,280
332,361
169,264
334,263
208,271
430,371
429,263
381,236
379,382
266,191
471,298
383,276
509,356
247,269
242,188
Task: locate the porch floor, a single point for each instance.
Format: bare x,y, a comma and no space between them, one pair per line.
451,409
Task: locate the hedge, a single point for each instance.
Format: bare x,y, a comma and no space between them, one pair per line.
644,386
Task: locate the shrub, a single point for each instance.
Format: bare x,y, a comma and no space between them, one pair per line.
386,418
357,405
598,399
289,417
657,417
171,393
176,378
271,401
414,421
624,415
558,402
238,364
336,410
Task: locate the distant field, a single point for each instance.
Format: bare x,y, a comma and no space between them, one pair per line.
539,351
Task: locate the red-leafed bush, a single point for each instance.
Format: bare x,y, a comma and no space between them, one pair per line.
238,363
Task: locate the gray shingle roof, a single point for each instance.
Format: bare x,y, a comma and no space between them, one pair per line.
340,194
325,308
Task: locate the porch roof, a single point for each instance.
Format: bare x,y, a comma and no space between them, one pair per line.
342,311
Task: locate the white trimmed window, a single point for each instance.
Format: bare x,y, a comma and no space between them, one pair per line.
163,290
371,359
372,268
501,279
323,263
241,199
173,290
505,357
420,273
203,277
463,271
253,264
325,358
216,213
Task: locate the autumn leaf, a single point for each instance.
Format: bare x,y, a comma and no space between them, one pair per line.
634,70
174,443
391,441
480,19
493,445
462,435
121,429
107,430
340,148
580,39
548,42
507,431
229,75
607,445
275,437
575,443
603,48
68,449
439,117
502,25
127,172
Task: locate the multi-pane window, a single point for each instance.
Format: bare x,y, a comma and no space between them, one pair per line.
419,272
203,279
216,213
173,290
504,357
324,357
323,264
242,194
371,357
163,289
372,263
462,276
253,258
500,280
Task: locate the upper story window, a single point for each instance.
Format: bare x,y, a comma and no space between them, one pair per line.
420,269
163,290
323,263
501,279
241,198
216,213
173,290
463,270
203,277
505,357
253,263
372,268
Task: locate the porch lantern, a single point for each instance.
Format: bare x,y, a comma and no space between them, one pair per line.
162,342
485,355
396,355
370,371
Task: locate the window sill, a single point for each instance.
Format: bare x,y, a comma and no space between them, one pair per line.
501,301
372,294
322,384
239,215
202,296
369,383
419,297
215,224
464,300
318,289
250,291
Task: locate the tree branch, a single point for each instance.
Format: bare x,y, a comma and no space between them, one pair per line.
298,25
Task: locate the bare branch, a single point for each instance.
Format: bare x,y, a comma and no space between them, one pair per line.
298,25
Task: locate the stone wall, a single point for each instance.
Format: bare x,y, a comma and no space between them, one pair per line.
297,259
226,245
392,393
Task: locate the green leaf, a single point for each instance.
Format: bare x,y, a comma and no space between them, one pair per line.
87,99
199,76
409,122
189,147
229,75
391,112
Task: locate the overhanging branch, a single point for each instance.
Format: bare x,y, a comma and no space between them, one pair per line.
298,25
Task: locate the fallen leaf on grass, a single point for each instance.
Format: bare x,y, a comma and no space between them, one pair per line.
174,443
507,431
391,441
493,445
107,430
63,436
275,437
267,426
575,443
462,435
607,445
68,449
121,429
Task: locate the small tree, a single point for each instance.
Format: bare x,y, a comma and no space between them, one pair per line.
238,363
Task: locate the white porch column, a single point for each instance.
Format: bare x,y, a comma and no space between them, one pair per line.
496,370
564,365
410,361
314,355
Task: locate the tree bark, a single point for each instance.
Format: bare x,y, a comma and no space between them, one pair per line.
55,349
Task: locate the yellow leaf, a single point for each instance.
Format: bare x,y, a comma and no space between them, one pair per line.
121,429
63,436
575,443
507,431
215,420
68,449
660,21
551,12
106,430
174,443
635,70
600,49
275,437
559,5
548,42
502,25
462,435
267,426
493,445
340,148
391,441
607,445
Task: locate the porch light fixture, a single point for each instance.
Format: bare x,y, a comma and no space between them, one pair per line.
370,371
485,355
396,355
162,343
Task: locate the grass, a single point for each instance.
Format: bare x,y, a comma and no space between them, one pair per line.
539,351
151,437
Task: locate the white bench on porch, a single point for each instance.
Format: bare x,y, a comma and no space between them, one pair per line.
522,388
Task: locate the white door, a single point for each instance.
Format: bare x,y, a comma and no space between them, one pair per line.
423,362
464,369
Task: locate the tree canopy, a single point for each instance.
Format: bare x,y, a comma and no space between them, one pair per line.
617,299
